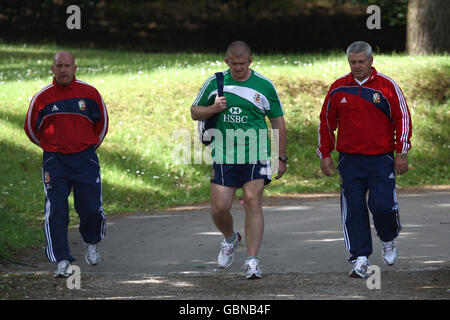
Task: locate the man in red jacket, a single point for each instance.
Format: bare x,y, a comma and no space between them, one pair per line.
68,120
370,113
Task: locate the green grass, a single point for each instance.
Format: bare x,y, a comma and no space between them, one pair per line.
148,96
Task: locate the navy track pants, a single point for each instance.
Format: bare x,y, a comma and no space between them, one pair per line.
375,175
61,173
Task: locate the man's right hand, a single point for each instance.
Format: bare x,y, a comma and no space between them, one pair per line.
327,166
201,113
220,104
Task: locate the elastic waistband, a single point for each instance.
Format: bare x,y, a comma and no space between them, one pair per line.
344,154
88,151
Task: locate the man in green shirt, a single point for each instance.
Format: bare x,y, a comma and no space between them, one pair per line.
240,149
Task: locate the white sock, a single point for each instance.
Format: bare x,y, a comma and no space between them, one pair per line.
232,238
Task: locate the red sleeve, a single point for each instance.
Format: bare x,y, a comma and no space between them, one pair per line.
101,127
402,119
327,126
30,121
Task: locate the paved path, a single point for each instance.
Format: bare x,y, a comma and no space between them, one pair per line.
301,235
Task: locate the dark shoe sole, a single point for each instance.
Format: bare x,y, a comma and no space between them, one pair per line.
254,277
354,274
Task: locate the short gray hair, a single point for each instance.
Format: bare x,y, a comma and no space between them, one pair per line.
360,46
238,49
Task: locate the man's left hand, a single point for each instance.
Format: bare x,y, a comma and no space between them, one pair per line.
401,164
281,169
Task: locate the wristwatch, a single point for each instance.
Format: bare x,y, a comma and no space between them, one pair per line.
284,158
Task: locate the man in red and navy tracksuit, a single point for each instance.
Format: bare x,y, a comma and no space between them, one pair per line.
68,120
373,121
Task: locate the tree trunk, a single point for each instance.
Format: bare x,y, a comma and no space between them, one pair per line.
428,28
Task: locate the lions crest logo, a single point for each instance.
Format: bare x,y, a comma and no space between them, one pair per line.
82,105
376,97
257,97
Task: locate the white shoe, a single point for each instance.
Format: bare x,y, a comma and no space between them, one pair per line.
360,268
226,254
63,269
92,254
252,270
389,252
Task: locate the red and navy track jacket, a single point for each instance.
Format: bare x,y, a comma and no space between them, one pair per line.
67,119
372,118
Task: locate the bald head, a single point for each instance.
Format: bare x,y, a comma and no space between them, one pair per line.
64,67
238,49
239,58
64,54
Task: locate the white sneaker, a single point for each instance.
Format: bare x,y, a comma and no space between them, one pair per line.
63,269
360,268
226,254
389,252
92,254
252,270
